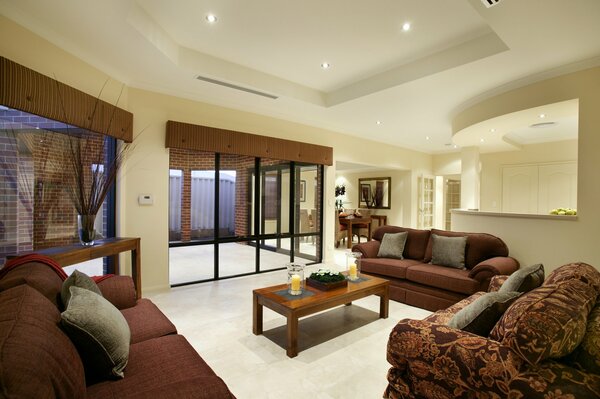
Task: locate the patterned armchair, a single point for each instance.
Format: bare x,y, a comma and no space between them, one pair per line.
546,345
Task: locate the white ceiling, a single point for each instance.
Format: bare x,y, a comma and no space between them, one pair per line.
413,82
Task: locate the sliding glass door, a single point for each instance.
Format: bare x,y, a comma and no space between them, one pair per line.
256,216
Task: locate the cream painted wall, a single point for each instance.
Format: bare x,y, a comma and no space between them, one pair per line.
553,242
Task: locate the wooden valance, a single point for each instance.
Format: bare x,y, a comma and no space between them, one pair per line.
205,138
26,90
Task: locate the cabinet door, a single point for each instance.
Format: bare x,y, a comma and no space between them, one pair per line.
557,186
520,189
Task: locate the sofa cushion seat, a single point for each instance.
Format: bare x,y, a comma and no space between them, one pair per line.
37,358
387,266
146,321
447,278
165,367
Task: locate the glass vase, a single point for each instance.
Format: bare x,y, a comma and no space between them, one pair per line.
86,230
353,265
295,278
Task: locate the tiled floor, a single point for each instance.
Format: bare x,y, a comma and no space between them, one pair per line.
342,351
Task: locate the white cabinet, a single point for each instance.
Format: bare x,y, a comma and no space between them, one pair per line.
539,188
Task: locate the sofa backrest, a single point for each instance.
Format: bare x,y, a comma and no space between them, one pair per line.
37,359
36,275
416,241
480,246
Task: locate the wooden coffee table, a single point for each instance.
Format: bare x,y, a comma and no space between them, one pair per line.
293,309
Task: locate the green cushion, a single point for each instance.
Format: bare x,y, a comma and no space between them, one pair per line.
392,245
524,280
99,331
480,316
77,279
448,251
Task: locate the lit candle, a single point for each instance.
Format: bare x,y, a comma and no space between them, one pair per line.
352,271
295,282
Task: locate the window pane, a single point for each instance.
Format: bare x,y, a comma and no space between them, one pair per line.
192,263
275,255
202,205
235,214
175,203
237,258
36,209
308,211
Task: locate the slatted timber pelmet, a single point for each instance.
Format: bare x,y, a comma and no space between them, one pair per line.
26,90
204,138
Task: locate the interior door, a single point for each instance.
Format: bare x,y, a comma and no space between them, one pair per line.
426,202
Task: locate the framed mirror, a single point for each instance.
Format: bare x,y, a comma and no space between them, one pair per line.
375,192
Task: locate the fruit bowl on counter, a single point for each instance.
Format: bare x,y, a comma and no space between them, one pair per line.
564,211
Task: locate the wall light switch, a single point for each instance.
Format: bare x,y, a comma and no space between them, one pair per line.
145,199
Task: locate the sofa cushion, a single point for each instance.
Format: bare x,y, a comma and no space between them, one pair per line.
387,267
166,367
446,278
99,331
38,276
448,251
480,246
524,280
119,290
37,359
548,322
146,321
416,241
77,279
392,245
578,271
443,316
586,356
480,316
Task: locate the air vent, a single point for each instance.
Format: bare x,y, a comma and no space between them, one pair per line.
236,87
542,125
490,3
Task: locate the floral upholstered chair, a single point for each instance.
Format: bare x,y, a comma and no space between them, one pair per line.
546,345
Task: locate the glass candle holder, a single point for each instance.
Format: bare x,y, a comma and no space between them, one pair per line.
353,265
295,278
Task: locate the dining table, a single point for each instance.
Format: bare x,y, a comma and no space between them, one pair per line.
350,221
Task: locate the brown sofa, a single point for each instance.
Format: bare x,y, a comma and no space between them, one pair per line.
416,282
38,360
546,345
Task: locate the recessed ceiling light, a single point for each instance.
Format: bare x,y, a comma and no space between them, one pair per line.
211,18
542,116
378,122
326,65
406,26
455,146
482,140
492,130
426,137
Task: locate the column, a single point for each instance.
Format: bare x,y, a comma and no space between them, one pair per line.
470,178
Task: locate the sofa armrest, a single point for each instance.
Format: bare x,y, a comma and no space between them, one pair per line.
368,249
488,268
119,290
427,356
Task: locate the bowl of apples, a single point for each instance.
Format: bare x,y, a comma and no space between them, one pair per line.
564,211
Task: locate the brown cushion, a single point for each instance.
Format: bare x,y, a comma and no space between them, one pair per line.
446,278
586,356
37,360
387,266
146,321
480,246
416,242
118,290
548,322
158,364
36,275
480,316
578,271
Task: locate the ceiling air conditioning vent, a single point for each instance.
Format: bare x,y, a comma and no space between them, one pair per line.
490,3
236,87
542,125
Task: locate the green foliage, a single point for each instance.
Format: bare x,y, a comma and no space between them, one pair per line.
327,276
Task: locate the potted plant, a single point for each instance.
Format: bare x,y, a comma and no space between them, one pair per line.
325,279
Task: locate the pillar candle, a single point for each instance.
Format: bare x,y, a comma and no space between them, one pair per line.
352,271
295,282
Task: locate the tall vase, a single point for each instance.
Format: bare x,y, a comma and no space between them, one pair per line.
85,228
